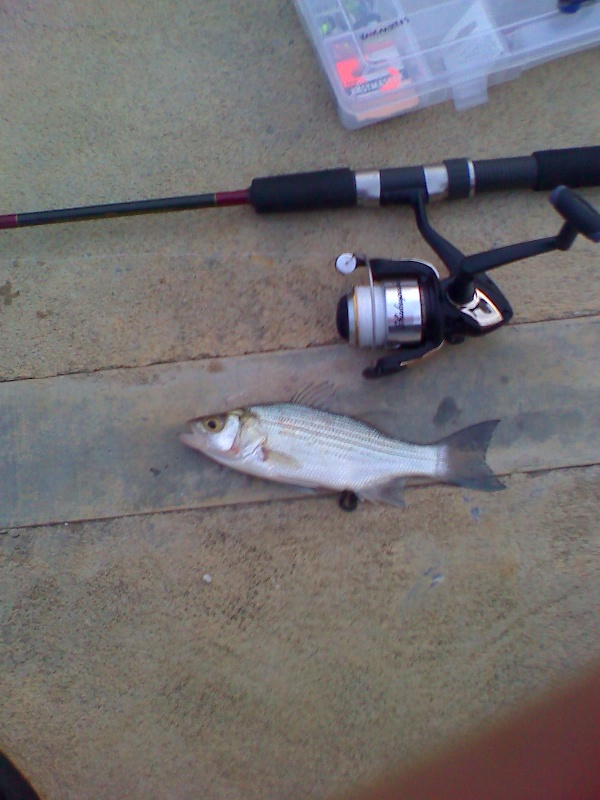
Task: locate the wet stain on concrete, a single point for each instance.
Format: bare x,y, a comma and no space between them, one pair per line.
6,293
539,426
447,411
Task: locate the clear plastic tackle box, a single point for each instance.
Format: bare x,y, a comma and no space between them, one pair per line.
389,57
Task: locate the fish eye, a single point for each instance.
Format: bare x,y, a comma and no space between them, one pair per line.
214,424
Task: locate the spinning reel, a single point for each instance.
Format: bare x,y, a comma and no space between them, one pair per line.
410,311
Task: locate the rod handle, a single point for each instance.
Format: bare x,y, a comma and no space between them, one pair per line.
542,171
574,167
304,191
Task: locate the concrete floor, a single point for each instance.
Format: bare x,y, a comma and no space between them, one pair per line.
325,649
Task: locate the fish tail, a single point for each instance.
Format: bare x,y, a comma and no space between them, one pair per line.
462,458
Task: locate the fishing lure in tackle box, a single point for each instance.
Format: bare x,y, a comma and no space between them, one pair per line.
385,58
406,309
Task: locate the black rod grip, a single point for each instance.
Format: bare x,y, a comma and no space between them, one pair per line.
497,174
303,191
574,167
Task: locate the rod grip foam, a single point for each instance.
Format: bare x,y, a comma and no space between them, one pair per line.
303,191
574,167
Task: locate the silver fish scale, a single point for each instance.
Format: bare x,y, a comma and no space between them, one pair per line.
336,451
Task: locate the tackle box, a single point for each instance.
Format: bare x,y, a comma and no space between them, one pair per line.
389,57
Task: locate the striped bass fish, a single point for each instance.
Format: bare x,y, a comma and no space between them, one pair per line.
304,446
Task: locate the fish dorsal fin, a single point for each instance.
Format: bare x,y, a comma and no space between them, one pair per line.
315,395
390,492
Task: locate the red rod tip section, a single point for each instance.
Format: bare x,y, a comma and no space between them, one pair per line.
8,221
240,197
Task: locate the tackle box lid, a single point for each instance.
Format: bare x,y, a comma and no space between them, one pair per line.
384,58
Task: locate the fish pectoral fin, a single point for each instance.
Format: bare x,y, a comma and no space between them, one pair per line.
390,492
278,459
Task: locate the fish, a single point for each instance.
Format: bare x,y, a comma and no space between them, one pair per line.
316,449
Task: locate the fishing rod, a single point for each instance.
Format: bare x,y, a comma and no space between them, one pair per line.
406,309
344,188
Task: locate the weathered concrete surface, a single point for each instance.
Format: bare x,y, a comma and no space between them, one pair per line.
107,445
327,645
140,100
121,672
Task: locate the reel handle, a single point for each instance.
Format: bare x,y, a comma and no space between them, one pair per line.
579,216
578,213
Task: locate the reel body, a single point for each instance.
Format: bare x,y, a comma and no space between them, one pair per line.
408,310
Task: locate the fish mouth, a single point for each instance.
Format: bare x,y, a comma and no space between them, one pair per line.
188,439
